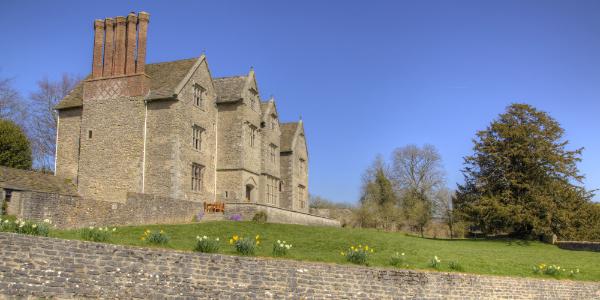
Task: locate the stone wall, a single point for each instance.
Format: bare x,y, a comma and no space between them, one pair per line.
46,267
277,215
578,245
76,212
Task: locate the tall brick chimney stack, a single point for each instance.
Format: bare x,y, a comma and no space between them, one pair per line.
120,45
143,19
119,59
119,55
98,41
109,47
131,43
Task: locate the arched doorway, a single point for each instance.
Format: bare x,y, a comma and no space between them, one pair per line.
249,192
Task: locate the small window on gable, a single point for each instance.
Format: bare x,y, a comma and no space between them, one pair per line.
273,122
199,95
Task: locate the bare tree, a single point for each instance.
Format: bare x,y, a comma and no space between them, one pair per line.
44,117
11,103
418,175
444,210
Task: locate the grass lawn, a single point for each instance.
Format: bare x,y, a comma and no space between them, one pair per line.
324,244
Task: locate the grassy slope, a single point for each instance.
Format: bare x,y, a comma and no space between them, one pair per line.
324,244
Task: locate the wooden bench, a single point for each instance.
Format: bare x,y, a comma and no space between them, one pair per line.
214,207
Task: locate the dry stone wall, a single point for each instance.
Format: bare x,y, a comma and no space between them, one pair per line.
46,267
76,212
277,215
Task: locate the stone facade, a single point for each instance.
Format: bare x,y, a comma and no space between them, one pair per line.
172,130
35,267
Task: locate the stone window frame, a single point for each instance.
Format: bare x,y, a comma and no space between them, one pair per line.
197,176
252,130
273,152
301,192
302,165
199,95
273,122
252,98
197,133
271,197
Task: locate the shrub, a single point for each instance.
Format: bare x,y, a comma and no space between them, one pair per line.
198,217
245,246
96,234
235,217
435,263
398,260
455,266
554,270
15,149
358,255
25,227
260,217
281,248
155,237
205,244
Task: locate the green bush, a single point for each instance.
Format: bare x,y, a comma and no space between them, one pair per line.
245,246
25,227
96,234
15,149
358,255
554,270
435,262
455,266
398,260
281,248
155,237
260,217
206,245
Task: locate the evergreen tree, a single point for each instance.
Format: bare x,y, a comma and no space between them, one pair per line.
521,179
15,150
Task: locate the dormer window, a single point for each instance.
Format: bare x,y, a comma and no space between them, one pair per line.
199,94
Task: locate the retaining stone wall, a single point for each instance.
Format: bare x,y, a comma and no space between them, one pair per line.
47,267
277,214
76,212
578,245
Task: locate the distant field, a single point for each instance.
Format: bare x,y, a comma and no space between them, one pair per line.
324,244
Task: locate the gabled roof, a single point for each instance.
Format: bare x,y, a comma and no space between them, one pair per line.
229,89
288,132
23,180
164,77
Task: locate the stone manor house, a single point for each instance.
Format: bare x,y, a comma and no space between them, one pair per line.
170,129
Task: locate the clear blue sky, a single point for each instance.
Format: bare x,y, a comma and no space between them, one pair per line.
366,77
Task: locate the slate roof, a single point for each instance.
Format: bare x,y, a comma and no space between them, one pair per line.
23,180
229,89
164,77
288,130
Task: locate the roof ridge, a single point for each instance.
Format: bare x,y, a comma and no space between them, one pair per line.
229,77
172,61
